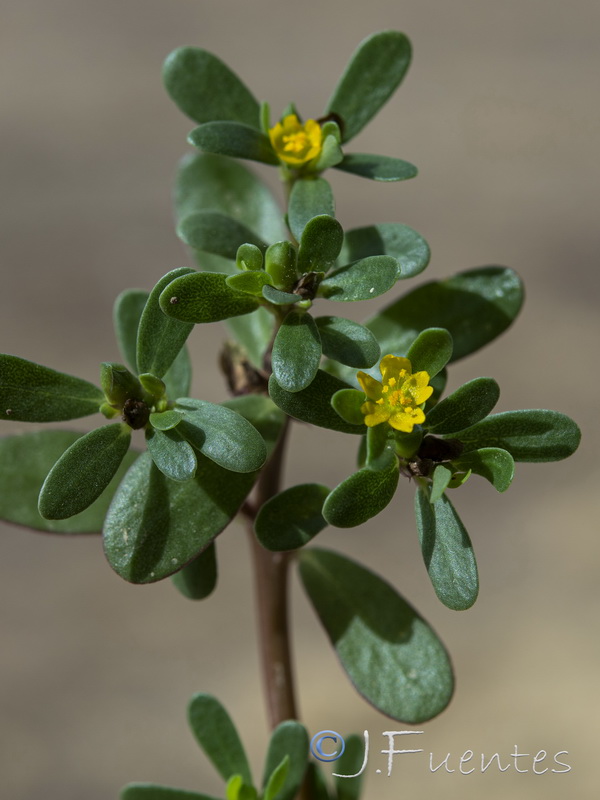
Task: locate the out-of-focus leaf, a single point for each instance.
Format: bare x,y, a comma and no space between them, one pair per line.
217,736
216,233
292,518
198,579
254,332
348,342
152,791
127,311
350,763
369,624
474,306
206,89
374,72
263,414
310,197
25,461
288,739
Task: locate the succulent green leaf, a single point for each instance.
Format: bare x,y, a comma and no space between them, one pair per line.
165,420
364,494
377,439
469,404
216,233
277,778
310,197
222,435
174,457
198,579
204,297
236,789
348,404
361,280
249,257
25,461
320,244
296,352
251,282
84,471
207,182
528,435
30,392
152,791
474,306
430,351
348,342
388,239
492,463
118,384
154,526
331,153
313,404
316,780
233,139
160,338
447,552
438,382
263,414
127,311
288,739
217,736
373,74
350,763
178,378
281,264
369,624
206,89
377,168
279,298
254,332
292,518
442,475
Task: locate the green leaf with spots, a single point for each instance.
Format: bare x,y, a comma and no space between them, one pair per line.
320,244
159,338
222,435
25,461
174,457
216,233
310,197
492,463
313,404
288,739
361,280
404,244
217,736
292,518
369,623
154,525
447,552
469,404
233,139
296,352
32,393
430,351
348,342
373,74
377,168
206,89
529,435
364,494
84,471
204,297
198,579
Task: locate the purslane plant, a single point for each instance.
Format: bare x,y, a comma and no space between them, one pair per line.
382,382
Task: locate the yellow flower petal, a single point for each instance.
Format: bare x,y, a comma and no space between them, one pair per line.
295,143
372,388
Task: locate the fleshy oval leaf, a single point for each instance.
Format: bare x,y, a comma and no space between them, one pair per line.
368,623
409,248
320,244
204,297
214,232
469,404
430,351
292,518
377,168
310,197
174,457
198,579
361,280
348,342
492,463
288,739
296,352
233,139
217,736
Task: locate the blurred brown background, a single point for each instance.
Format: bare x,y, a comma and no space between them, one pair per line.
500,112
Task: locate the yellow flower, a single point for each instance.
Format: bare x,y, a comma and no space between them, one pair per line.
397,399
295,143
